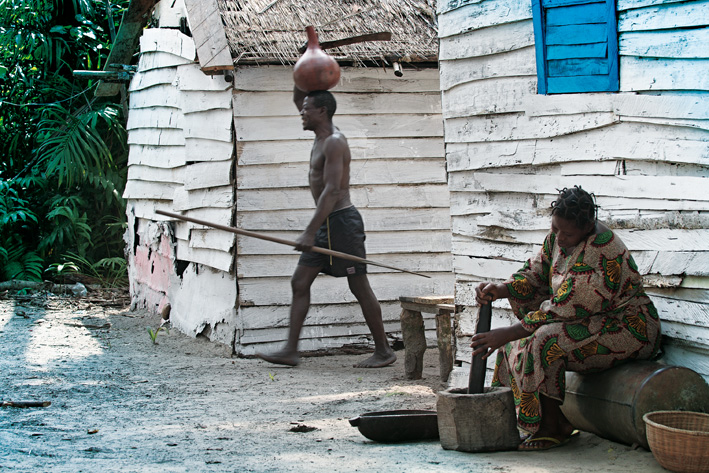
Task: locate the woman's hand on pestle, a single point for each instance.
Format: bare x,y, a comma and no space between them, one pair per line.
487,342
486,292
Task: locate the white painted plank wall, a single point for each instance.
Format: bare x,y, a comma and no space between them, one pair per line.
644,152
398,182
181,146
664,45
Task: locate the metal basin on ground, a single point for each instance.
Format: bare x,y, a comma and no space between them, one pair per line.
397,426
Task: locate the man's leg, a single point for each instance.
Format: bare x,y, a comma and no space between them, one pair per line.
301,282
383,354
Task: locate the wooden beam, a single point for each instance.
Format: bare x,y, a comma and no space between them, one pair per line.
383,36
209,36
134,20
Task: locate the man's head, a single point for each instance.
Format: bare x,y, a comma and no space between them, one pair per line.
323,98
318,107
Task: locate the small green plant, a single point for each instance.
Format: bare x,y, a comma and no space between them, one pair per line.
108,272
154,334
59,270
272,376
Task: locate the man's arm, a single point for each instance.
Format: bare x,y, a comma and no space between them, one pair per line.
298,97
334,149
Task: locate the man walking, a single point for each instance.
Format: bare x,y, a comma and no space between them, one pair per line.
336,225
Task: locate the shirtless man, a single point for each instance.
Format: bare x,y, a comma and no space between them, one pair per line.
336,225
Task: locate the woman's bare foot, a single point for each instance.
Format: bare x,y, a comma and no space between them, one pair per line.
546,438
378,360
282,357
539,441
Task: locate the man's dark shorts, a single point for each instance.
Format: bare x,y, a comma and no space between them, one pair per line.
346,235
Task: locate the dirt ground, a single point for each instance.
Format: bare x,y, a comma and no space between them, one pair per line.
119,402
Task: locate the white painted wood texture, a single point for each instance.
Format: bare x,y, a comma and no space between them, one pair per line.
261,266
644,152
298,151
481,15
167,41
181,147
664,46
381,125
209,35
362,172
326,290
358,79
495,40
684,44
412,242
641,74
398,182
425,195
665,17
375,219
269,104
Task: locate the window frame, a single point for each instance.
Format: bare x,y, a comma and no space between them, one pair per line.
593,82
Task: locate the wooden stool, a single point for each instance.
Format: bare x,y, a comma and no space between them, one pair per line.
413,332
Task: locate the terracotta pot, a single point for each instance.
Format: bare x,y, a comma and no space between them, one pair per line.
315,70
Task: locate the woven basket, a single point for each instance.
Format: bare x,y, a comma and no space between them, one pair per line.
679,440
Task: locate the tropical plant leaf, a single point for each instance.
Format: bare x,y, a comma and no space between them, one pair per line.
24,265
75,146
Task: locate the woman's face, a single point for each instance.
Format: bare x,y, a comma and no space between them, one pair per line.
568,235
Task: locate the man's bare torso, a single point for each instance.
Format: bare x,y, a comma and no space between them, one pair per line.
317,166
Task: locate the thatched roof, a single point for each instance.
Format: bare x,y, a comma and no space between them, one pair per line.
273,30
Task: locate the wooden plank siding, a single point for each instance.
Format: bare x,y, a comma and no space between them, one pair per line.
209,35
181,158
398,182
643,151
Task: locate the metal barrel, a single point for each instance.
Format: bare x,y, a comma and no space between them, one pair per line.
611,404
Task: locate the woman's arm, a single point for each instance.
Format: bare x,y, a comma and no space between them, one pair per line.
488,342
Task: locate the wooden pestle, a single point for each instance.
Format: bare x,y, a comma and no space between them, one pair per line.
476,380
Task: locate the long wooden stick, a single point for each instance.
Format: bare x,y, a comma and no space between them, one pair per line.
260,236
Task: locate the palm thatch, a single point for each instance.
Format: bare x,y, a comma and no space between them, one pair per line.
271,31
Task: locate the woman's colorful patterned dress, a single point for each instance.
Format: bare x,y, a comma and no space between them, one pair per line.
586,311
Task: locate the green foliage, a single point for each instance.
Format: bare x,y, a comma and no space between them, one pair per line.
154,333
108,272
13,208
21,263
60,270
63,155
73,146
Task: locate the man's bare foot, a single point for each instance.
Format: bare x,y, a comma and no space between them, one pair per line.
282,357
378,360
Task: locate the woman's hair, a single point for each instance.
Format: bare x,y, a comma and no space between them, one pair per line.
577,205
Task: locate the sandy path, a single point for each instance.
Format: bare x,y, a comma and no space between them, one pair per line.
185,405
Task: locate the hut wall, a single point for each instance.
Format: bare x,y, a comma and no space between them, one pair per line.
181,152
398,182
643,151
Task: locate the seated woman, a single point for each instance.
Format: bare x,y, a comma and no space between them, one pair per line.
581,307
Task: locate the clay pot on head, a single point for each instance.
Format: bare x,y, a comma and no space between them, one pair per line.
315,70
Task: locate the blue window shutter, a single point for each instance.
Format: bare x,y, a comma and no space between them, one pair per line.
576,46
